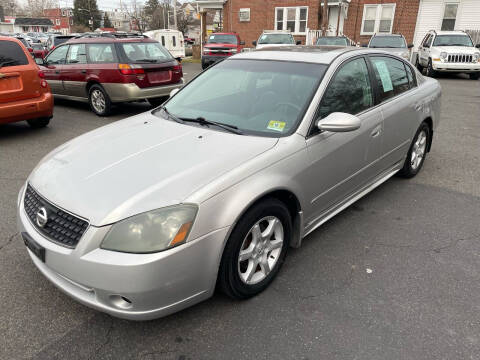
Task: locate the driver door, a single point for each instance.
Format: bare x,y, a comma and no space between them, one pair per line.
342,162
54,64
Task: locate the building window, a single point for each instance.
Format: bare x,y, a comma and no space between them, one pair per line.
449,16
64,12
293,19
57,21
377,19
71,21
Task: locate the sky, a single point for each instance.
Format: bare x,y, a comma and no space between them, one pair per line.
109,5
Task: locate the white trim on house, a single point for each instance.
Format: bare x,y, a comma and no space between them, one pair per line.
378,14
297,19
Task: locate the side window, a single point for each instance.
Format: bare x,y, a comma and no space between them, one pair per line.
77,54
58,56
174,39
101,53
350,90
390,75
425,40
429,41
411,76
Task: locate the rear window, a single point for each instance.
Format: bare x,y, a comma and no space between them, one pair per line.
11,54
60,40
144,52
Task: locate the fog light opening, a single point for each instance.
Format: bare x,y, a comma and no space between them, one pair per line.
120,301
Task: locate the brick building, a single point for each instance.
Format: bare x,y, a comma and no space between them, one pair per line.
357,19
62,19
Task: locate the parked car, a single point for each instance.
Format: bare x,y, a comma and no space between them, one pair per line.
39,51
107,69
189,40
55,40
170,39
392,43
24,93
333,40
25,43
449,51
275,38
227,175
220,46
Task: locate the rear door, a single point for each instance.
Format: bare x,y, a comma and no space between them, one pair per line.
74,72
18,77
55,61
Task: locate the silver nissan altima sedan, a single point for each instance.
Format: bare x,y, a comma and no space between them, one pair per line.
147,216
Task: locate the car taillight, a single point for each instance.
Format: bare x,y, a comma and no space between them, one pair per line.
41,74
30,49
178,69
127,69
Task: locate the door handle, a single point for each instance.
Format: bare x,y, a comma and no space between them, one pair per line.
84,71
57,72
377,131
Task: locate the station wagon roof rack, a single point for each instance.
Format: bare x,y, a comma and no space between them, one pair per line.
111,35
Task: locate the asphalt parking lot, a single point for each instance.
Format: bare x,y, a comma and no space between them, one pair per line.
395,276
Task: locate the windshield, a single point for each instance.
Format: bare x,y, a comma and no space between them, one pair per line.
330,40
387,42
145,52
276,39
265,98
452,40
222,39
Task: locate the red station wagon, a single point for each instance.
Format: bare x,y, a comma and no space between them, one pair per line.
106,69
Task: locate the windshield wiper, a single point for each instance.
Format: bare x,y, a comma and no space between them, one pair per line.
148,60
171,116
203,121
7,62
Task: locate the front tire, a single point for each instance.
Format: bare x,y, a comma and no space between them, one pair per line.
474,76
99,100
417,152
430,72
38,123
255,250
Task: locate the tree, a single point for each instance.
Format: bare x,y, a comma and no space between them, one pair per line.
138,17
182,22
34,8
106,21
84,11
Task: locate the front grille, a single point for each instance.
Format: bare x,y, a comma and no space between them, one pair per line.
61,227
459,58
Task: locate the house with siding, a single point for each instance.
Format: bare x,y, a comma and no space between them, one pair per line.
447,15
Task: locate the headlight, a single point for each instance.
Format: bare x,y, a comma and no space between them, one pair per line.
443,56
152,231
406,55
476,57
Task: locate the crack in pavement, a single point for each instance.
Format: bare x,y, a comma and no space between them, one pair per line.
10,239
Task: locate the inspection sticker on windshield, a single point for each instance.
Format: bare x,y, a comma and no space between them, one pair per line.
276,125
384,75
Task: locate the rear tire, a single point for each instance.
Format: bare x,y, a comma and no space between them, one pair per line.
155,102
417,152
255,250
474,76
99,101
38,123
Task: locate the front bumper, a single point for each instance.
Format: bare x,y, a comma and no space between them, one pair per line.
456,67
155,284
119,92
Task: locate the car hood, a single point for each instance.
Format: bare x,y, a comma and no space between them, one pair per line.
139,164
456,49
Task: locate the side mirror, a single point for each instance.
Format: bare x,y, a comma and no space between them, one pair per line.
299,42
339,122
173,92
364,45
242,42
179,59
410,46
477,46
40,61
254,42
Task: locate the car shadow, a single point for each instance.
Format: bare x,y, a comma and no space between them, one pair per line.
125,109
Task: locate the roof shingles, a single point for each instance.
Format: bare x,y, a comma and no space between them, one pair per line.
33,21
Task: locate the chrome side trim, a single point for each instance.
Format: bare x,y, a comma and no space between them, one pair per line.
327,215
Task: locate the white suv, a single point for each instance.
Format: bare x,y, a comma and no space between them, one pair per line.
449,51
276,38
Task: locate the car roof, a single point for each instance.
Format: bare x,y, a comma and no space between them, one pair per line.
324,54
450,32
100,39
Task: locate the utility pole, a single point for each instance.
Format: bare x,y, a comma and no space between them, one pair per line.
175,14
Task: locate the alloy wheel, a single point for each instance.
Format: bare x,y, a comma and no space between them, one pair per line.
418,150
98,101
260,250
